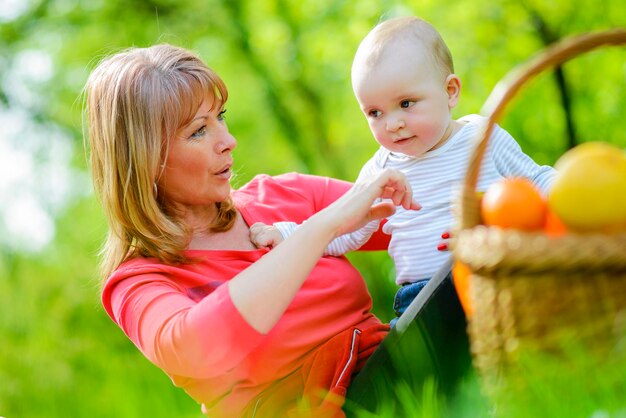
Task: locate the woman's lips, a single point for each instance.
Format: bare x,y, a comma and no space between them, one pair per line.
225,173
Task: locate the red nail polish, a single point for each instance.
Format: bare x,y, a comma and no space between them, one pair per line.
442,247
445,235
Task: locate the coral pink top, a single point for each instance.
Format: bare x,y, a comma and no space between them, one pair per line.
184,321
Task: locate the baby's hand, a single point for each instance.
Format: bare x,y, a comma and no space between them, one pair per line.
265,236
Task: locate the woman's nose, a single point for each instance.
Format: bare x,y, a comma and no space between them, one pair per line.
226,143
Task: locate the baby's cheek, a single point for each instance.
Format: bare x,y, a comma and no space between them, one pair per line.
381,137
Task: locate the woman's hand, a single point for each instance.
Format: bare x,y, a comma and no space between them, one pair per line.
358,206
263,291
444,244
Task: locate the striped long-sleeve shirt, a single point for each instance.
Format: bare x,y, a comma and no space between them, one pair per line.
436,179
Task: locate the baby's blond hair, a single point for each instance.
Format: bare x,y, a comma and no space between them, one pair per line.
404,29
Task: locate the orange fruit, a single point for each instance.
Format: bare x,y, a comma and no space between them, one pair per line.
554,227
513,203
461,278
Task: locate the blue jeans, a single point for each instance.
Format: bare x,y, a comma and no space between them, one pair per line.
404,297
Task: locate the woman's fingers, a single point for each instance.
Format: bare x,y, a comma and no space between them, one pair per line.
443,245
359,206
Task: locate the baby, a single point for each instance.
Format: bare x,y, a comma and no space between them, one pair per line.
403,78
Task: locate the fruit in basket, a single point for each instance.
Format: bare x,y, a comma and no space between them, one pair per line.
461,274
513,203
554,226
589,191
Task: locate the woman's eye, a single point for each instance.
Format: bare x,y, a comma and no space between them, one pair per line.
221,115
199,133
374,113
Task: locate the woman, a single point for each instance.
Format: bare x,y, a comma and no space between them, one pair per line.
245,331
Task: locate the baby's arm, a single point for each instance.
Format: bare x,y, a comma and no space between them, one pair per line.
263,235
510,161
352,241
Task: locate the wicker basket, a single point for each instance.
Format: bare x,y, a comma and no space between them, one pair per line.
533,294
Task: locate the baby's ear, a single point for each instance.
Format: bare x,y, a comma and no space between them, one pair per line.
453,88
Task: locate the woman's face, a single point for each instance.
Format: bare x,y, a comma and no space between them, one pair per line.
197,170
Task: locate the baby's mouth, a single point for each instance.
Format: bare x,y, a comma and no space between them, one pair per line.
403,140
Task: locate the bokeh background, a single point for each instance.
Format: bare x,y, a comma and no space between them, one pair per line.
287,65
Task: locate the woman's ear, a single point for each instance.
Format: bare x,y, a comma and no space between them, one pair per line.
453,88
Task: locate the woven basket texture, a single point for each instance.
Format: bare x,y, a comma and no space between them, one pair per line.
535,295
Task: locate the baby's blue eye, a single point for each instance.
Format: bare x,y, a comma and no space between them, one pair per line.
374,113
405,103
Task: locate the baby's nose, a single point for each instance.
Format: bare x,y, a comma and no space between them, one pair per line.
393,124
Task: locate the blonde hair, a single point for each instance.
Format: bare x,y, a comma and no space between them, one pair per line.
136,100
406,29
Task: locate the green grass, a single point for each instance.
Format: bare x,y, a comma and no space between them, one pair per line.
570,383
568,386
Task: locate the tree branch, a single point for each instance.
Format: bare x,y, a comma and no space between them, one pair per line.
548,37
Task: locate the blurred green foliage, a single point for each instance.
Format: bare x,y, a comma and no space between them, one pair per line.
287,65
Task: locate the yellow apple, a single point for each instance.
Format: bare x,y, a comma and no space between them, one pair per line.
589,191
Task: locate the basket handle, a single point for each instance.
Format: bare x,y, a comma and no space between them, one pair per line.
507,89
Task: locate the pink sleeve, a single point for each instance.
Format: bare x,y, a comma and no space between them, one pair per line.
178,334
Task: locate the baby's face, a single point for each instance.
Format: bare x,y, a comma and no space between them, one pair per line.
406,100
